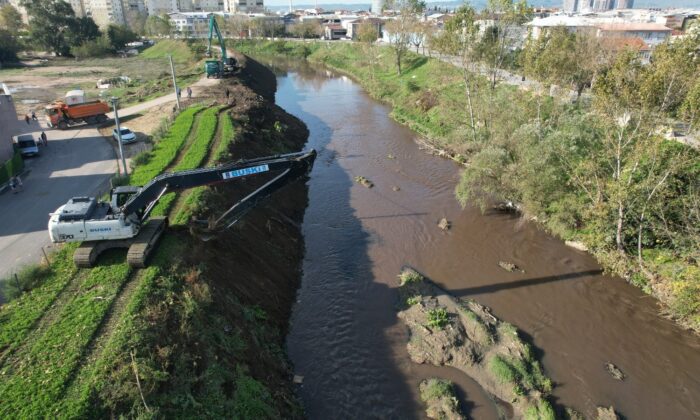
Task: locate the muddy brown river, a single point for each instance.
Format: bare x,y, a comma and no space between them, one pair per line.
345,338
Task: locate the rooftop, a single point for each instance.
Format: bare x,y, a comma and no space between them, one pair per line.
634,26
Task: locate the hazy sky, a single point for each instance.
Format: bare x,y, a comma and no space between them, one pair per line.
480,3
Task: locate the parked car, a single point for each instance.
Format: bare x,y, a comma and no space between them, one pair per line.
128,136
27,145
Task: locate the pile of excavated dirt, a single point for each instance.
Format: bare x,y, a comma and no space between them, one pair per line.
466,336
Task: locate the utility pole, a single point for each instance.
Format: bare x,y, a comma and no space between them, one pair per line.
115,101
172,69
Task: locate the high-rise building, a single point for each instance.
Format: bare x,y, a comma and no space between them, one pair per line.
624,4
246,6
570,6
159,7
377,6
596,5
104,12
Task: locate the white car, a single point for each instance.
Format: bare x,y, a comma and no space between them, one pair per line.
128,136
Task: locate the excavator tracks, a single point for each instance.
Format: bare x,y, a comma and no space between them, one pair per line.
145,241
85,256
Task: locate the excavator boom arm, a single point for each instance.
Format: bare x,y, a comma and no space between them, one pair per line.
293,166
214,28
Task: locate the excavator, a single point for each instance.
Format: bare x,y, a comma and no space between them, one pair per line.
218,68
124,221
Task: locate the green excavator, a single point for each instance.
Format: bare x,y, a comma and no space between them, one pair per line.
224,67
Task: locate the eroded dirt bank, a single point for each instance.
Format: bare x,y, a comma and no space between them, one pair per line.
211,335
258,262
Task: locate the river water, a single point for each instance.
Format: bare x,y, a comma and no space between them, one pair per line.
345,338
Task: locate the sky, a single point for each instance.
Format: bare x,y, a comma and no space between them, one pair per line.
354,4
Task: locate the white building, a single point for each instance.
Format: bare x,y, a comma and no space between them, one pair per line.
377,6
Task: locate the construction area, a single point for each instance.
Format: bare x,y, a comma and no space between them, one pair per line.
154,310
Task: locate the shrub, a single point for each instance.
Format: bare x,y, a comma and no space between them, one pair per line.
98,47
438,318
436,388
409,275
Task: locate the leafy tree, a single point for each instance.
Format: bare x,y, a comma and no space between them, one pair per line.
50,21
120,35
460,38
11,19
81,30
501,38
308,28
367,34
402,28
8,47
158,25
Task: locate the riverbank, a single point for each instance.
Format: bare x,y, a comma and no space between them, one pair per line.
201,330
516,159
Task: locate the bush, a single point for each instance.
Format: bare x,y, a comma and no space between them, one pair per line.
98,47
11,167
438,318
436,388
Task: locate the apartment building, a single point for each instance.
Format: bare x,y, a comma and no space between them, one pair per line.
596,5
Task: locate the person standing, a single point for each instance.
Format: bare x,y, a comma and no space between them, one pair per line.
189,92
34,118
228,93
18,183
12,185
26,118
179,92
44,140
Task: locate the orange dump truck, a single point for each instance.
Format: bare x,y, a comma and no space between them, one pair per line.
61,114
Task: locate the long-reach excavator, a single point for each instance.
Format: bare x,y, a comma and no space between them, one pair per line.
124,221
218,68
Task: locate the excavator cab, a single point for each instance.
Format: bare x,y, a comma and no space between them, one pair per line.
120,195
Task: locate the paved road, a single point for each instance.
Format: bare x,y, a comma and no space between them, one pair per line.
78,161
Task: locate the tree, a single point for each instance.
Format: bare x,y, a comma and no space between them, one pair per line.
501,38
81,30
50,20
119,36
11,19
237,25
368,34
8,48
402,28
136,21
158,25
460,38
307,28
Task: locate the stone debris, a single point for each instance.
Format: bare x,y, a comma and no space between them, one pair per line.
444,224
614,371
607,413
298,379
509,266
396,188
364,181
